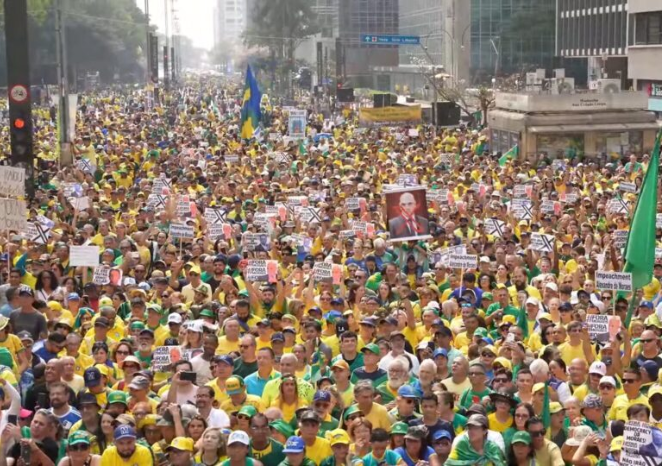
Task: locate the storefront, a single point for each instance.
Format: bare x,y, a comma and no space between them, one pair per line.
587,125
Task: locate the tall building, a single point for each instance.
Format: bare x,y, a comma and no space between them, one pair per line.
645,50
444,27
229,21
511,36
356,17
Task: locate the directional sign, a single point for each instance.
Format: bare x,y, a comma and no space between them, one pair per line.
390,40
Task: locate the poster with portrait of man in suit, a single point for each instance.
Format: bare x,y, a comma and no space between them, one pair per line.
407,212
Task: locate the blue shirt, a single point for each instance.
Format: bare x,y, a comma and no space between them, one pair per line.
44,354
410,462
391,458
69,419
255,384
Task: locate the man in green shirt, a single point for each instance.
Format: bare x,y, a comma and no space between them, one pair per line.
501,307
263,447
478,389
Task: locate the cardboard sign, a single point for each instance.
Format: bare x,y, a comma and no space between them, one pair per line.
13,215
85,165
262,271
182,231
614,281
215,216
161,186
551,207
620,238
157,201
347,234
252,240
462,261
603,327
522,190
323,272
296,125
618,206
87,256
309,214
12,181
184,207
80,203
542,243
101,276
165,356
522,210
495,227
220,231
640,445
38,233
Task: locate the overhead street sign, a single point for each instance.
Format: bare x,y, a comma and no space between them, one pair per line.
390,40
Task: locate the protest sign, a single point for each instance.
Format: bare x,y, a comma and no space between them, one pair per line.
80,203
231,158
618,206
642,444
615,281
38,233
220,231
407,212
157,201
620,238
603,327
494,227
542,243
215,216
182,231
13,215
252,240
658,253
296,125
550,207
12,181
347,234
101,275
522,190
323,272
462,261
439,257
165,356
87,256
353,204
658,221
85,165
407,179
184,207
262,270
161,186
627,187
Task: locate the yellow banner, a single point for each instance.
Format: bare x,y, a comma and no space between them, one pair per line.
389,116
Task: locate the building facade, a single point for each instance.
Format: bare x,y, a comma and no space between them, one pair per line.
645,50
230,19
444,27
356,17
511,36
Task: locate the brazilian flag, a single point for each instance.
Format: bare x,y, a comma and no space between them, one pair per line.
250,109
512,154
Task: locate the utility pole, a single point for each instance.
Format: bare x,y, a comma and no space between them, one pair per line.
166,48
66,157
18,83
148,46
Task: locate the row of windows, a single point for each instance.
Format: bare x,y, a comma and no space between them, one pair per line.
593,31
648,28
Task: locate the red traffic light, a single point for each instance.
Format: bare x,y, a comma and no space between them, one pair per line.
19,123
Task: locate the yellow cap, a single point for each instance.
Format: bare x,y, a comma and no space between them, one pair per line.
105,370
616,444
555,407
148,420
181,443
55,306
338,437
538,387
655,390
506,364
509,319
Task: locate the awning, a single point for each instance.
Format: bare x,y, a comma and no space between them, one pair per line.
605,127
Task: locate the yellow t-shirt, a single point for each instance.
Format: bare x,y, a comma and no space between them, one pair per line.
141,456
229,407
226,346
569,352
379,418
13,344
320,450
621,404
498,426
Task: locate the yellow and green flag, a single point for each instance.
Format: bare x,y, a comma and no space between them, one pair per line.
512,154
250,109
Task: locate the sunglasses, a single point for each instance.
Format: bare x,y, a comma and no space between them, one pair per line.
647,340
79,447
475,374
537,433
605,386
501,380
629,380
487,354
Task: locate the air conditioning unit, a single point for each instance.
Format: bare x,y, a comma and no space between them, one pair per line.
562,86
559,73
609,86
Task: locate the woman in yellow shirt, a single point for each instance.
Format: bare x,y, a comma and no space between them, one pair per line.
288,399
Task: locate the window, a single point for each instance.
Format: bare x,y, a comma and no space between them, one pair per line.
648,29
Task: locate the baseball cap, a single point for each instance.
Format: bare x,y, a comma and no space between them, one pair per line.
92,377
372,347
617,443
140,383
310,415
88,399
129,360
441,434
124,431
477,420
175,319
399,428
25,335
294,445
118,396
338,437
223,358
24,289
521,437
341,364
608,379
322,395
181,443
592,401
278,336
555,407
598,367
234,385
248,411
239,436
407,391
73,297
440,352
80,437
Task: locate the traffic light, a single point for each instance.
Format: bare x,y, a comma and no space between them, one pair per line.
21,134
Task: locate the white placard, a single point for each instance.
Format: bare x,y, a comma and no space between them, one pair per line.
182,231
614,281
165,356
658,221
86,256
38,233
80,203
262,271
13,215
627,187
252,240
407,179
618,206
620,238
495,227
101,275
215,216
12,181
220,231
542,243
323,272
462,261
641,445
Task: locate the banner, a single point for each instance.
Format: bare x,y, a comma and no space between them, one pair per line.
182,231
407,212
296,125
390,116
262,271
642,444
323,272
13,215
462,261
615,281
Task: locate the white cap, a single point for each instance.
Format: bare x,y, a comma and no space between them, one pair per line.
496,193
608,379
174,318
598,304
532,300
194,326
434,304
552,286
239,436
598,367
485,259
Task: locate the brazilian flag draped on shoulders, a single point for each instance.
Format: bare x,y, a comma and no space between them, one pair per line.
250,109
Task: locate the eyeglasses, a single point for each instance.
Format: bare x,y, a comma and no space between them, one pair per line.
629,380
501,380
79,447
487,354
605,386
537,433
521,416
647,340
325,299
606,297
476,374
124,353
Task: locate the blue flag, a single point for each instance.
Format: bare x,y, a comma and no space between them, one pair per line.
250,109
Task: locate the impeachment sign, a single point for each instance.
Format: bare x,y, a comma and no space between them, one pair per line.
389,116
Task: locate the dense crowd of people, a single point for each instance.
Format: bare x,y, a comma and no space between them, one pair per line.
170,352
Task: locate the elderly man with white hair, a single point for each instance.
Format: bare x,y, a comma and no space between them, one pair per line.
540,372
398,375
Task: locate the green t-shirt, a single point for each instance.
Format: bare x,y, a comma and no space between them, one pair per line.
271,456
470,397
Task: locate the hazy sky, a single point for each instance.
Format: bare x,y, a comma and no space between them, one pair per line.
195,18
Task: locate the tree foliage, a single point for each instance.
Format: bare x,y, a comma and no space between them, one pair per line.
102,35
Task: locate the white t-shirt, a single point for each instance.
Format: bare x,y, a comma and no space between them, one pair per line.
218,418
201,367
185,395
